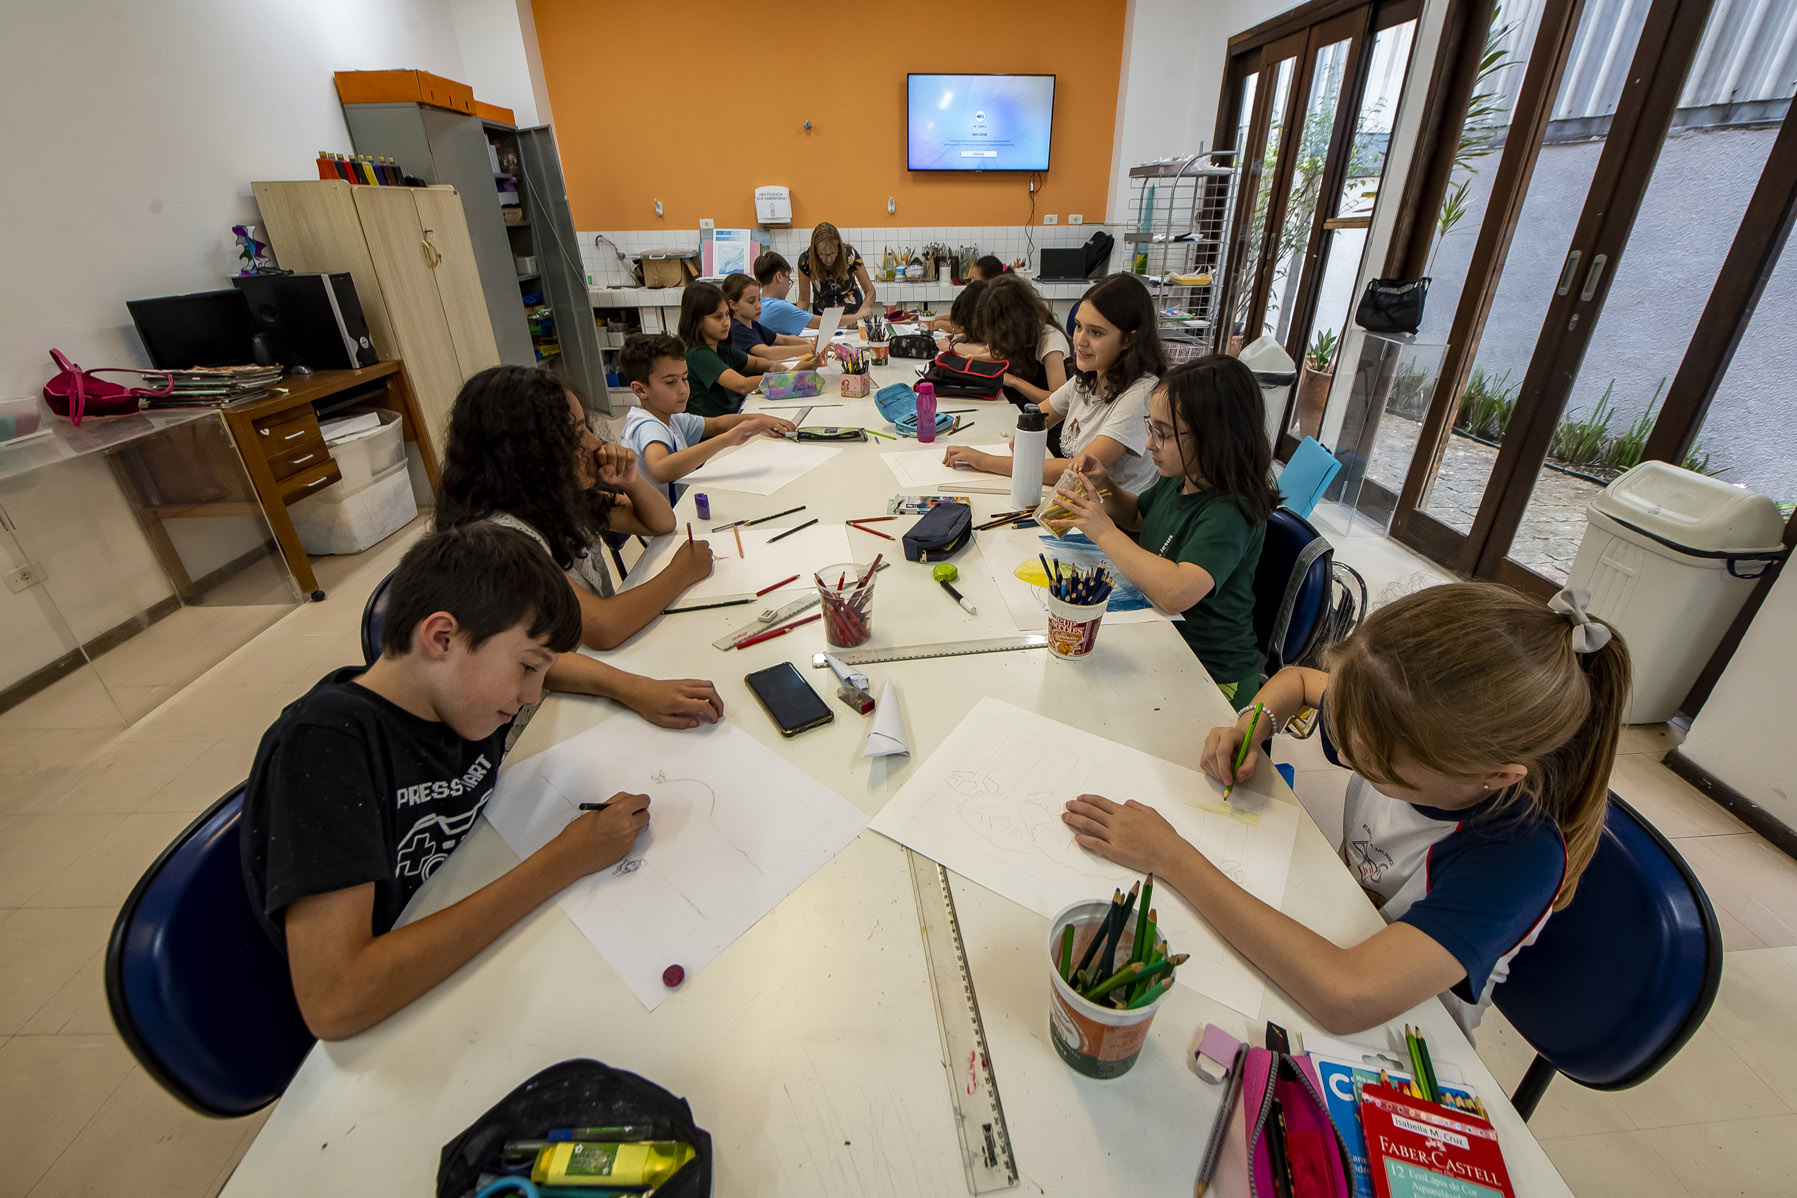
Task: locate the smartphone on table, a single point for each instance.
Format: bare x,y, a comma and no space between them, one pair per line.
789,699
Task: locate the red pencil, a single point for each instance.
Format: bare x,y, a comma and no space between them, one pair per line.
776,586
871,531
689,532
771,633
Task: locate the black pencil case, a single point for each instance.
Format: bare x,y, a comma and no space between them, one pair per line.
941,533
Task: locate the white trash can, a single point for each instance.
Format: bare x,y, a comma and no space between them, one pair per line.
1275,371
1669,557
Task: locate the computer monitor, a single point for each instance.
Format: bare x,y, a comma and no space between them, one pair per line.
202,328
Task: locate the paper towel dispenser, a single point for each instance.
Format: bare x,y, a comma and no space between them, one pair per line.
773,205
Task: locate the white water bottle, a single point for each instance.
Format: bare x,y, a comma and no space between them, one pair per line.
1029,449
926,413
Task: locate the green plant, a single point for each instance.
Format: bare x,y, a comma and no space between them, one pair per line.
1411,389
1485,117
1321,354
1580,442
1697,460
1624,450
1486,404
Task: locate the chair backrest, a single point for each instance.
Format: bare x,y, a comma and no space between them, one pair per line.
1309,473
373,612
199,994
1621,979
1291,585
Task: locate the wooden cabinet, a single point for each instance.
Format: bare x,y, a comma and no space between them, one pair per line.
408,250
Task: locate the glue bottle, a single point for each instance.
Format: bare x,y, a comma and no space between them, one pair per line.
1029,450
926,415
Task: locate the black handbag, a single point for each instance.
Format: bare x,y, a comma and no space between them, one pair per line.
958,377
913,345
1392,305
941,533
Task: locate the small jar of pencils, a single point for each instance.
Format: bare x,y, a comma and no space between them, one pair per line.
1105,992
1076,603
847,592
856,381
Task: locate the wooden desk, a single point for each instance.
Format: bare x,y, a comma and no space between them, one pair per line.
284,451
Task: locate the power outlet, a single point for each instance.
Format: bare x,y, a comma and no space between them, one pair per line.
25,577
1074,218
1050,218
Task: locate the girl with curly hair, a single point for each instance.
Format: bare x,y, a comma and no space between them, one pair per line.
520,454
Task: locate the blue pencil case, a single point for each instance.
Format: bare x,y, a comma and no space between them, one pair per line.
898,404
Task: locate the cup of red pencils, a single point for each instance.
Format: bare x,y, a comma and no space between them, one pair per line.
1076,603
847,592
1105,992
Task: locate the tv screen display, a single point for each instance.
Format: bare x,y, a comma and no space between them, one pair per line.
979,122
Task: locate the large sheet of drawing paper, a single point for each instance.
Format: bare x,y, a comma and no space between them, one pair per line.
923,469
1013,557
987,804
760,466
733,829
764,561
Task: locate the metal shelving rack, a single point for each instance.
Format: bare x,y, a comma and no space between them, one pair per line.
1178,229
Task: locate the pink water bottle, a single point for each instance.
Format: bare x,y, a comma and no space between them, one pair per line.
926,413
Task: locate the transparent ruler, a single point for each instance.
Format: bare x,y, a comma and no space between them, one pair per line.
973,1088
997,644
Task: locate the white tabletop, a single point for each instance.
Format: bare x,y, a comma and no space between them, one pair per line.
809,1047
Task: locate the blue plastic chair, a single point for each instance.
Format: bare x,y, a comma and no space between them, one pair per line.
200,995
1623,977
1291,588
373,612
1308,474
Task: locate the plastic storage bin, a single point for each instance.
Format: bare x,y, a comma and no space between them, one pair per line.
362,456
1275,371
1669,557
352,521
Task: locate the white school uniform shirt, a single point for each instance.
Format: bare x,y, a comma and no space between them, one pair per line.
643,428
1481,881
1085,418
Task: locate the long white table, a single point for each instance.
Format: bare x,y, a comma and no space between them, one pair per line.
809,1048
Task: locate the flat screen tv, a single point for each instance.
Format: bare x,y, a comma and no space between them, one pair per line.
978,122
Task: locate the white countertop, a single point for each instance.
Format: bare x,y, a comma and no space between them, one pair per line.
896,293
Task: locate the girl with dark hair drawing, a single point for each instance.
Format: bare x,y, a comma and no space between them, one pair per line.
720,374
1013,325
1201,524
519,454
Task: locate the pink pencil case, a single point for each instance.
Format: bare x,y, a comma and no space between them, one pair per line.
1319,1158
792,384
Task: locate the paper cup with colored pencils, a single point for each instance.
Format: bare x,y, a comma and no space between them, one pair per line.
847,594
1098,1021
1076,603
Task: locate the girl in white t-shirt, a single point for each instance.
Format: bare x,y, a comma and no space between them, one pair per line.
1012,324
1103,409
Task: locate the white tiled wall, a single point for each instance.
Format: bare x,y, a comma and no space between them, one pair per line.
1010,242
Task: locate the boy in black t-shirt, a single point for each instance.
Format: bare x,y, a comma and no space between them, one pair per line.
364,786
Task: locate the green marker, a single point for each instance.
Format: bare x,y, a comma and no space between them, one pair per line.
1241,754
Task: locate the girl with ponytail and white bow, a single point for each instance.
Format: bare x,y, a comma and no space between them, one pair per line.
1481,725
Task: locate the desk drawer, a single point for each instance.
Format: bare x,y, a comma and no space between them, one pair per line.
309,480
286,430
285,463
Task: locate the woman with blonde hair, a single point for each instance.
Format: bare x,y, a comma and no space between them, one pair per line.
1481,725
832,275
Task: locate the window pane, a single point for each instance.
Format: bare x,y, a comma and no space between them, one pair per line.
1259,187
1306,169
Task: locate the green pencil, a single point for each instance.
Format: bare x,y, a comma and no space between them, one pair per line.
1152,993
1126,974
1416,1063
1241,754
1139,950
1066,952
884,436
1433,1087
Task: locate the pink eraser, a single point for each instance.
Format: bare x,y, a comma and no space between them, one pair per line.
1216,1053
672,976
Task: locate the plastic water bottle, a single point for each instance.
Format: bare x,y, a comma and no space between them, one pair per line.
926,415
1029,450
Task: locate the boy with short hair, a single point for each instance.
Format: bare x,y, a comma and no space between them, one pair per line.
365,785
774,274
671,442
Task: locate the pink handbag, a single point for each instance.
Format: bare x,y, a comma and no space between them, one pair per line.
75,393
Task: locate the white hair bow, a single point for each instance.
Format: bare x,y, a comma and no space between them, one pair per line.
1588,636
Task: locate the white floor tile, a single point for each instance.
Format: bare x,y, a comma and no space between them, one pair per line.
1751,880
1706,1081
1613,1165
1667,801
40,951
1740,1158
50,1087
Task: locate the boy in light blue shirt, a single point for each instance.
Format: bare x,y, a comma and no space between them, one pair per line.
774,273
671,442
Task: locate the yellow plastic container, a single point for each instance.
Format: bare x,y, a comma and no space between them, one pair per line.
595,1163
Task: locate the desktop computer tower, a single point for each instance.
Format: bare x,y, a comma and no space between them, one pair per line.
311,321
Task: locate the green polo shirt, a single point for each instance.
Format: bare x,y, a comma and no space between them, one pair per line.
704,367
1209,530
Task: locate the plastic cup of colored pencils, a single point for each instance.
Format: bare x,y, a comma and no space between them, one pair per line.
1076,603
1103,1035
847,592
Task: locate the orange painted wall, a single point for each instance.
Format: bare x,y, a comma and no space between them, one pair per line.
643,111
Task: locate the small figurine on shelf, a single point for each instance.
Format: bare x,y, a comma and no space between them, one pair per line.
253,253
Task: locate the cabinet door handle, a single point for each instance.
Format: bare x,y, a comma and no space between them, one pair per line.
431,256
304,460
317,482
1592,278
1567,272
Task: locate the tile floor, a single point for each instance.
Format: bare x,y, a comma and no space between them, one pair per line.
81,817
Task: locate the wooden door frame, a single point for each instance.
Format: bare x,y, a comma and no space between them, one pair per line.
1299,47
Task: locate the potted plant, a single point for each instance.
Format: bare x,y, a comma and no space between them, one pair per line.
1313,385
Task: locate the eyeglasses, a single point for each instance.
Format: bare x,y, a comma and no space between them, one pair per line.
1157,433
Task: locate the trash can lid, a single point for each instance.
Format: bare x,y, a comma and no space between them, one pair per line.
1691,510
1268,356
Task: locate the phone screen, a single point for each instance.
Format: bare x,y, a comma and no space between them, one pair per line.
789,698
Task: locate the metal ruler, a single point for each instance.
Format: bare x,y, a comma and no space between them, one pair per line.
973,1088
997,644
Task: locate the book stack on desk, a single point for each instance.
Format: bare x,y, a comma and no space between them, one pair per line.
216,386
